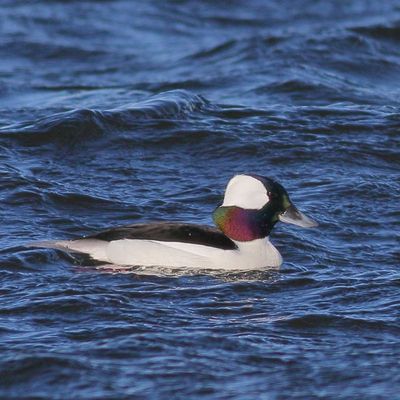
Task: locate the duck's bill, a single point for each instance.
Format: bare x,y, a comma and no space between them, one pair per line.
293,216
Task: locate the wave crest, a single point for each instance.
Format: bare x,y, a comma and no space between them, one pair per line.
80,123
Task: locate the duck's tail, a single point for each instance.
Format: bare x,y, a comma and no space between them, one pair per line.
94,248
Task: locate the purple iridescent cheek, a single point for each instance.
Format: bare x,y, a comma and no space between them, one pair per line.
238,224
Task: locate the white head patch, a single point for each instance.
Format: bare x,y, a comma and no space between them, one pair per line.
246,192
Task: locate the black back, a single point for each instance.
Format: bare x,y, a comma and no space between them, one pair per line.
169,232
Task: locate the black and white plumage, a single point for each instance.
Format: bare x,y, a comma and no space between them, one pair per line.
252,206
169,232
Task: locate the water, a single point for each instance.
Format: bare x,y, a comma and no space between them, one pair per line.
114,112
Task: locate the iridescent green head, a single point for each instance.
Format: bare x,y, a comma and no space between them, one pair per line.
253,205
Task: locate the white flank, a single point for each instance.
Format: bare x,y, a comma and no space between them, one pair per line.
257,254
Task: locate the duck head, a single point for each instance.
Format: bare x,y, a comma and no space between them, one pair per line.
252,205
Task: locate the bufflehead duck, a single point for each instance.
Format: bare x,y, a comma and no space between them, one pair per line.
251,207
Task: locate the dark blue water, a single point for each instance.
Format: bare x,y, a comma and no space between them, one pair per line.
115,112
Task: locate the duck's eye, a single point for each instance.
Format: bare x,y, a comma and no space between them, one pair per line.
272,195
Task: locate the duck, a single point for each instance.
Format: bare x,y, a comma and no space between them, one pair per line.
252,205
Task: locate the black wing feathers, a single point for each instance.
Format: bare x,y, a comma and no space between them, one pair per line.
169,232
